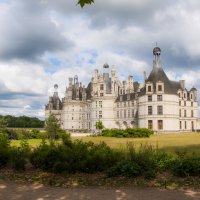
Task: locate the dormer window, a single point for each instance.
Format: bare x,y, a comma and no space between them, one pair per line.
160,88
149,88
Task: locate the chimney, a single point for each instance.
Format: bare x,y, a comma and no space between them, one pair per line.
182,83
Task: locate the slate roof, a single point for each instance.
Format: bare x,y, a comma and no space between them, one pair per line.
158,74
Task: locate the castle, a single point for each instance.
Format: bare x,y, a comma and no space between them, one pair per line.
159,104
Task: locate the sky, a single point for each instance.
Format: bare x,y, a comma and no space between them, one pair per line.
43,42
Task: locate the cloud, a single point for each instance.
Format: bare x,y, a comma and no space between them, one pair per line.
46,41
27,31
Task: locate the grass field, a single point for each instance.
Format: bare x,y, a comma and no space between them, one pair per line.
189,142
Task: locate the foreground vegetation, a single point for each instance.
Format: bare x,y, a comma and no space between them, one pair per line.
68,156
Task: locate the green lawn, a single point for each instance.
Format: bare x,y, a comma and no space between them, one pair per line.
169,142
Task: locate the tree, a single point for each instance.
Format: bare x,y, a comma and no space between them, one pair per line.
3,125
99,125
83,2
52,127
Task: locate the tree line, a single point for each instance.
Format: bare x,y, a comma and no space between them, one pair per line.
22,121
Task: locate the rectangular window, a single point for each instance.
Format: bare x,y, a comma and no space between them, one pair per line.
179,103
160,88
117,114
128,97
179,112
132,103
184,103
149,97
149,88
101,94
133,113
160,110
159,98
121,98
160,124
150,112
192,113
192,126
100,104
128,103
180,125
150,124
124,113
124,104
101,87
185,113
118,105
120,113
100,114
128,113
191,104
185,125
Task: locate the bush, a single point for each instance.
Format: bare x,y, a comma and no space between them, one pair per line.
186,167
141,163
129,132
4,150
20,155
73,157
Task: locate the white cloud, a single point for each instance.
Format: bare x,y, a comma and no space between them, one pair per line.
121,33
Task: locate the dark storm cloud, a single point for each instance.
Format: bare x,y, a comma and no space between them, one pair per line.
27,32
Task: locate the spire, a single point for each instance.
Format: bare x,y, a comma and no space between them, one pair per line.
55,90
156,53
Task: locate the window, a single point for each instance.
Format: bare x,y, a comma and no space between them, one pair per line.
150,110
179,112
149,88
192,126
120,113
121,98
118,105
128,113
124,104
133,113
101,87
159,98
128,103
192,104
184,95
192,113
101,94
124,113
160,88
128,97
132,103
160,110
185,125
180,125
185,113
179,94
100,114
179,103
184,103
117,114
160,124
191,96
100,104
149,97
72,118
150,124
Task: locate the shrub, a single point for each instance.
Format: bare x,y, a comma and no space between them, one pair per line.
20,155
140,163
4,150
186,167
129,132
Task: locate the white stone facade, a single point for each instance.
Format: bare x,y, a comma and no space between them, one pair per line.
158,103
